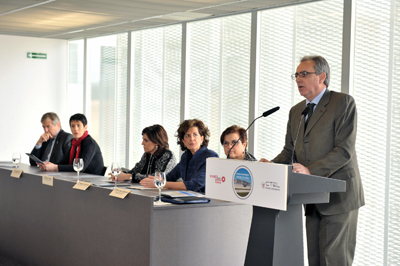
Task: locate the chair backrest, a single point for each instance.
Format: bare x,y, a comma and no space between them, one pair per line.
103,172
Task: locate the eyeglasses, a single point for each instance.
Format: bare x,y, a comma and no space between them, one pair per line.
301,74
227,144
188,135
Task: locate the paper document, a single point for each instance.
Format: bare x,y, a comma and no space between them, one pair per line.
51,173
81,176
7,165
111,183
140,187
176,194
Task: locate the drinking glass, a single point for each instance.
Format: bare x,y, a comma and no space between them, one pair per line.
16,158
159,182
78,165
115,170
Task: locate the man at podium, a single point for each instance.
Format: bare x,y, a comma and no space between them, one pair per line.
325,146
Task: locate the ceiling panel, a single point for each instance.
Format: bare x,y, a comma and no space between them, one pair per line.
70,19
9,5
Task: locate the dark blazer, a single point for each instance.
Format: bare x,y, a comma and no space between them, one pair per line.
62,146
163,162
192,169
91,155
327,148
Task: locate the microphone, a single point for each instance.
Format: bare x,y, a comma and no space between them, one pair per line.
304,113
265,114
271,111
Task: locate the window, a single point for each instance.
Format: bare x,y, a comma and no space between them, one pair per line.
218,63
107,95
156,84
376,65
76,72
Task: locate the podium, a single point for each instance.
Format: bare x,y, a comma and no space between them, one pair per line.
277,195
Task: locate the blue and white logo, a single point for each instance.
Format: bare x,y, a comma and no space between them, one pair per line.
242,182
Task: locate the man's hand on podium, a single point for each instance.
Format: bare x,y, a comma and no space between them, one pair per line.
301,169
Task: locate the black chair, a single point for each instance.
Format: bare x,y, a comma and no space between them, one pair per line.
103,172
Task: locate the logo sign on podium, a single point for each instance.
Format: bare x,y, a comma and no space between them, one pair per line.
254,183
242,182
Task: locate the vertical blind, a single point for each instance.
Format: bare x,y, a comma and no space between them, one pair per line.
218,74
156,86
107,95
75,78
376,68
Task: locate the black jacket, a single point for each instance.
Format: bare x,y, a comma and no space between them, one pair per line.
91,155
62,146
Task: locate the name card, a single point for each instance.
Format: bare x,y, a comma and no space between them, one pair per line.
82,185
16,173
120,193
47,180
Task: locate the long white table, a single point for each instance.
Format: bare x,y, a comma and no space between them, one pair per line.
59,225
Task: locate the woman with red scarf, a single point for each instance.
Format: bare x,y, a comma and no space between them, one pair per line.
83,146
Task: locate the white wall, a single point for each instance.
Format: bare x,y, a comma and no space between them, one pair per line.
28,89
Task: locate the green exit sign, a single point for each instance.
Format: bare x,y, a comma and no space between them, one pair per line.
36,55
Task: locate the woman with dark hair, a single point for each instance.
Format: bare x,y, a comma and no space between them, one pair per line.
190,172
83,146
228,139
156,158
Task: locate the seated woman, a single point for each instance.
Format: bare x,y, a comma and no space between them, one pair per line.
228,139
156,158
83,146
190,172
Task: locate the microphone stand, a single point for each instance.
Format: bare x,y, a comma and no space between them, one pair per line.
266,113
229,152
304,113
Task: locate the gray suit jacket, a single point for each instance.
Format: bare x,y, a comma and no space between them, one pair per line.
327,148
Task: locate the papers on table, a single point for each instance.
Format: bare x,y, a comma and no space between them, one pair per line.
110,183
176,194
51,173
34,158
7,164
140,187
184,197
81,176
161,203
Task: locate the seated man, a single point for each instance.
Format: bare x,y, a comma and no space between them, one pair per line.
83,146
54,143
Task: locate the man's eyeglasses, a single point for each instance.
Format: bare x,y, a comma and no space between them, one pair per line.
301,74
227,144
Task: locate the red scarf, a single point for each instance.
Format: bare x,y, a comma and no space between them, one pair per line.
76,146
